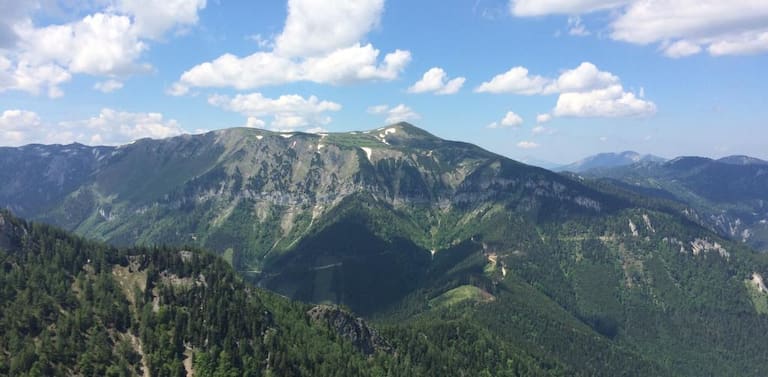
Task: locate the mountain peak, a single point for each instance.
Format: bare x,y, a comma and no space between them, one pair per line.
402,130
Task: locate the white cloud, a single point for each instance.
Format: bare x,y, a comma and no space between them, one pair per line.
10,13
510,120
378,109
436,80
319,44
15,125
110,127
108,86
288,112
582,78
253,122
526,8
543,118
108,43
352,64
576,28
313,28
746,44
113,127
32,78
681,49
527,145
539,130
154,18
584,91
680,27
516,80
609,102
399,113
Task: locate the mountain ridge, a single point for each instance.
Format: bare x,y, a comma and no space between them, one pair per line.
608,160
403,226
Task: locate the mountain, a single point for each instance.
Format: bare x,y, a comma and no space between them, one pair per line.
69,306
742,160
74,307
726,195
608,160
269,201
466,262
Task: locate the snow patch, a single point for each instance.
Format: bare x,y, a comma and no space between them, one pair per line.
633,228
757,280
390,131
320,146
368,152
648,224
287,136
745,235
259,137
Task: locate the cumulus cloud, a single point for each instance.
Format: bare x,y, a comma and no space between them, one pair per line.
527,145
108,43
32,78
681,49
109,127
318,43
517,81
399,113
10,13
543,118
153,18
288,112
680,27
608,102
313,28
584,91
583,78
108,86
510,120
436,80
351,64
16,125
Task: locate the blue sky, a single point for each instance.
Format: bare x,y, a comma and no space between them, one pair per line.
552,80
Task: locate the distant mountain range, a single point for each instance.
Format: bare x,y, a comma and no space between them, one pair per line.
447,246
728,195
608,160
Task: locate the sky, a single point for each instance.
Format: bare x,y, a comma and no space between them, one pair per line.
534,80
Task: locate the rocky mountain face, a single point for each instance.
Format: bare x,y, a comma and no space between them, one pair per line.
366,339
727,195
255,195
